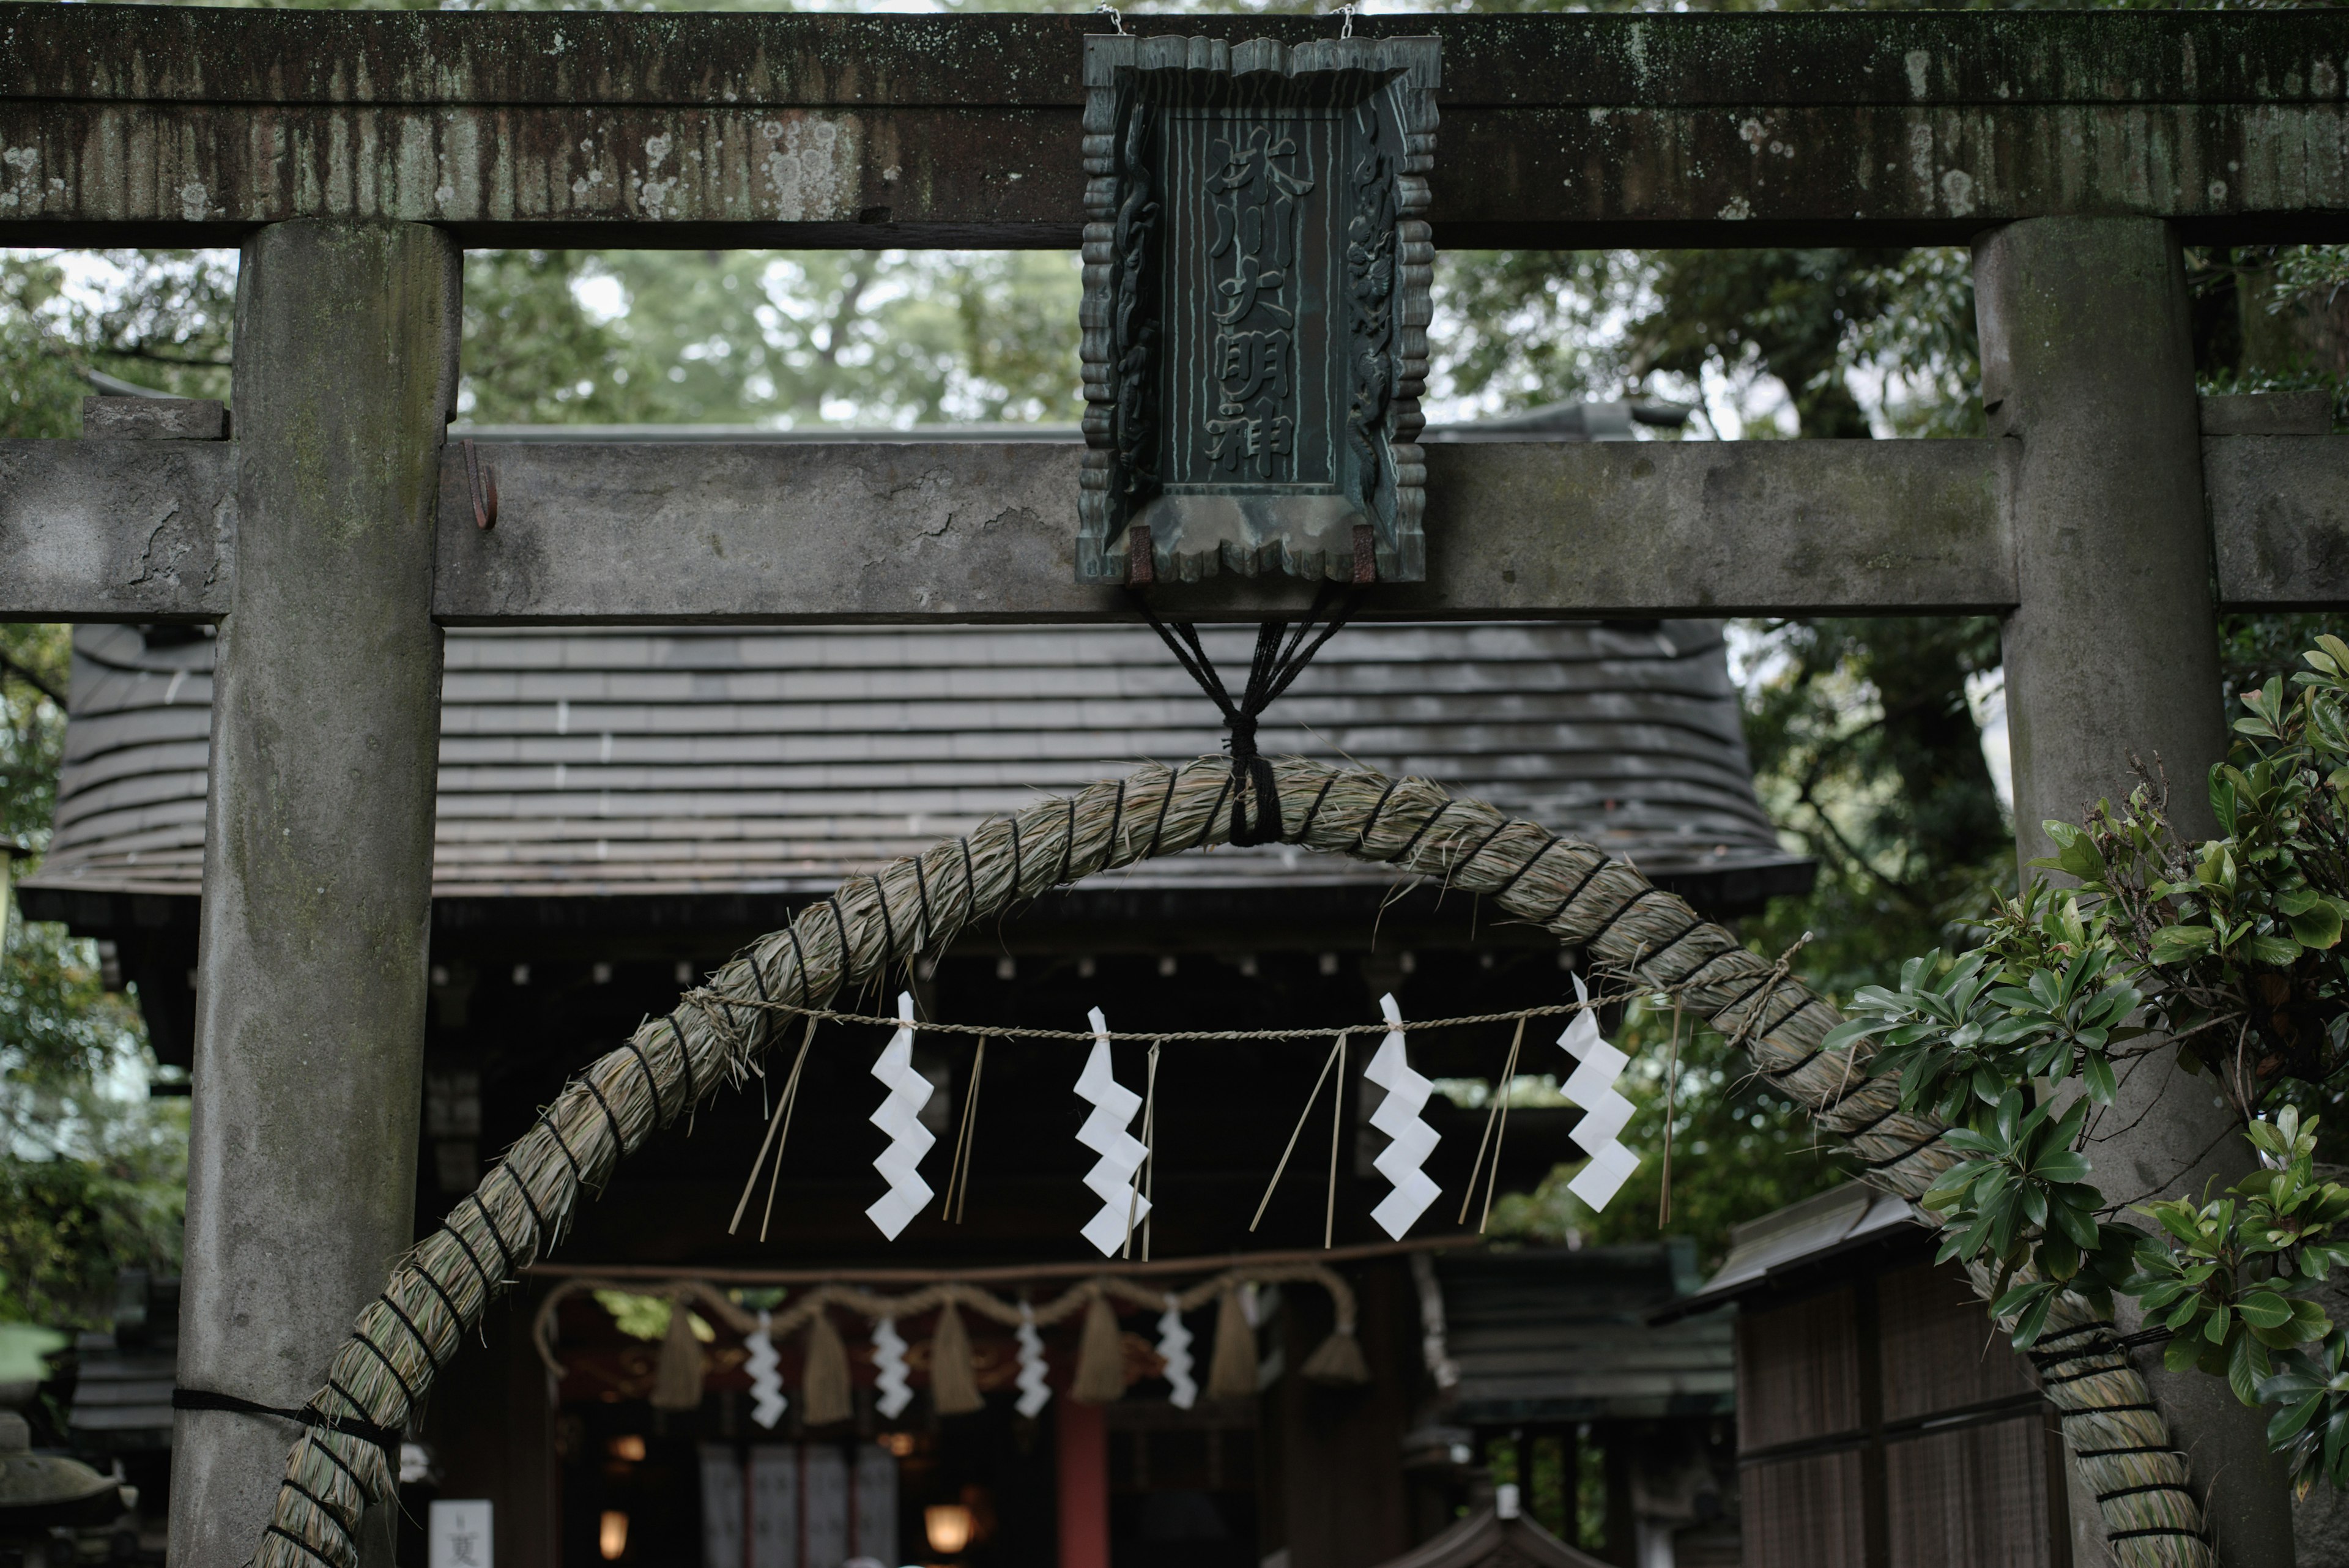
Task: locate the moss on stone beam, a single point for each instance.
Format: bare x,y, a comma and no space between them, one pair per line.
175,126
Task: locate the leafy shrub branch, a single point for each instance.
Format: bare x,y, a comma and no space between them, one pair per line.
2227,953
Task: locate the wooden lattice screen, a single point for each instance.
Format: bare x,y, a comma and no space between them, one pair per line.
1883,1424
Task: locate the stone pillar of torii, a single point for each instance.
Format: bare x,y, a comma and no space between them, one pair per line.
336,533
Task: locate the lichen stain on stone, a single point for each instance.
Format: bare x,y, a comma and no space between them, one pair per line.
1635,49
1920,63
653,194
810,166
26,163
1958,192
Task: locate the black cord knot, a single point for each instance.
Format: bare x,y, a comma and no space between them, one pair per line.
1240,739
1270,673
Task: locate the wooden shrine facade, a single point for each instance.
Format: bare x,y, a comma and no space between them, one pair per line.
1881,1416
620,808
355,155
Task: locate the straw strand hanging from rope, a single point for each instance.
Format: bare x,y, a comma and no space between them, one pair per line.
852,936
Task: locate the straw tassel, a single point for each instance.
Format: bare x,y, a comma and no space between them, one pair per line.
1231,1373
677,1376
954,1381
1101,1356
1339,1359
824,1384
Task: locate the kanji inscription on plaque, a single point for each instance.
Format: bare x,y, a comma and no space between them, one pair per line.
1257,271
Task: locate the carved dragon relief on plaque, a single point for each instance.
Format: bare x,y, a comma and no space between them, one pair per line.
1256,264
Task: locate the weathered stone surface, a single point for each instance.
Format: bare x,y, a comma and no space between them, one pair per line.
116,530
2284,503
310,994
153,418
2112,656
2267,413
761,532
159,125
783,533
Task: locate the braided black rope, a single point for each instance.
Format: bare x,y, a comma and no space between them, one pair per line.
1272,670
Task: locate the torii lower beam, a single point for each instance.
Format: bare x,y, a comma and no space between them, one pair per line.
776,533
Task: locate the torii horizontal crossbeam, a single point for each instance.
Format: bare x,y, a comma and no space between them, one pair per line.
175,126
763,533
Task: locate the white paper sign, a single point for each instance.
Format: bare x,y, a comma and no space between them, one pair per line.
774,1506
460,1534
823,1506
722,1506
876,1504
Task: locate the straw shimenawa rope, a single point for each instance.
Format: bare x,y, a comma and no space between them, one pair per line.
856,934
1338,1359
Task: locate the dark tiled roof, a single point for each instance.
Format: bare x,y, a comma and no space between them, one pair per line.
721,760
1553,1335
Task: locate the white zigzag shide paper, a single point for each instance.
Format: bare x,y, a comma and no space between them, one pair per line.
1034,1392
1412,1140
1592,1086
900,1115
767,1401
1174,1350
889,1368
1121,1153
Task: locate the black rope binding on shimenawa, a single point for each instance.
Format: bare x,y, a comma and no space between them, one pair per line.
307,1416
1270,673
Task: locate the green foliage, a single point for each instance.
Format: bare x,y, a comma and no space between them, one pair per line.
1960,1042
2221,1284
647,1317
91,1172
875,337
1514,330
40,392
159,318
2243,932
25,1350
2231,949
33,663
1867,755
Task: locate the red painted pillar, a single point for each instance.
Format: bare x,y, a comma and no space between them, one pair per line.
1083,1443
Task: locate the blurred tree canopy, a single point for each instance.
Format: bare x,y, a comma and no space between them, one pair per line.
92,1171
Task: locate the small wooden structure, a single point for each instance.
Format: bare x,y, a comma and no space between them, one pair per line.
1551,1354
1495,1536
1880,1417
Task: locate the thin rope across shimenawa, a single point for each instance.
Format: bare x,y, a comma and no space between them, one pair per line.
856,935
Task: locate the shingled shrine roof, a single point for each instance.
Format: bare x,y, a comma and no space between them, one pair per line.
607,762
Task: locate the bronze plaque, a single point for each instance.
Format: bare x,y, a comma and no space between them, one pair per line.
1256,270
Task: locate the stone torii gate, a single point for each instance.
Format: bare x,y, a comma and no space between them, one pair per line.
354,156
